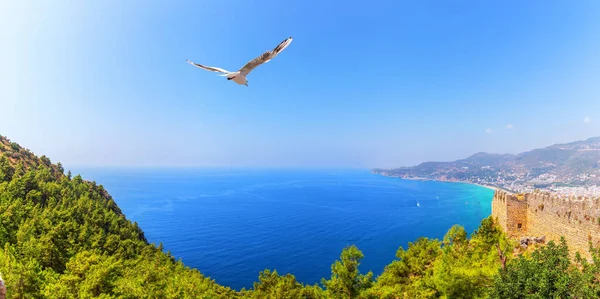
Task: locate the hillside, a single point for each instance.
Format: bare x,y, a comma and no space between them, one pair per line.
64,237
23,159
575,164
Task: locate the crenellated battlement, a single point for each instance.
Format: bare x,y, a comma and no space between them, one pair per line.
545,214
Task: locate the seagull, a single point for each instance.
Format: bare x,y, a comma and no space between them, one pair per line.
239,77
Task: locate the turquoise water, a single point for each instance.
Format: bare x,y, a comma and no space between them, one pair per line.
231,224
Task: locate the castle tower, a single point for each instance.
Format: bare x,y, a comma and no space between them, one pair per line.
510,211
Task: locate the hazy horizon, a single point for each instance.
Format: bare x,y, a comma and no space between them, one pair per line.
385,85
281,167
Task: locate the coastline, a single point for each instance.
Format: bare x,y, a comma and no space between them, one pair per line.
444,181
484,186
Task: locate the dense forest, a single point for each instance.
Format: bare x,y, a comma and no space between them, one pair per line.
64,237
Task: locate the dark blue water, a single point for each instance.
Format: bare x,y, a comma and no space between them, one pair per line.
231,224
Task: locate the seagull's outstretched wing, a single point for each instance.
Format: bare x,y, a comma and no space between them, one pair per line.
265,57
209,68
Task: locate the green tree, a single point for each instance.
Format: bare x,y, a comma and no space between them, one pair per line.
346,280
66,238
15,146
546,274
45,160
6,171
60,167
272,285
466,267
411,274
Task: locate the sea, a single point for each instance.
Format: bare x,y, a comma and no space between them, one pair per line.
233,223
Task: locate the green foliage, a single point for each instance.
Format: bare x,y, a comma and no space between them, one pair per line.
549,273
15,146
457,267
410,275
272,285
346,280
45,160
60,167
6,171
466,268
64,237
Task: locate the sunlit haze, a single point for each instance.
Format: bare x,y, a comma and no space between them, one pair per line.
377,84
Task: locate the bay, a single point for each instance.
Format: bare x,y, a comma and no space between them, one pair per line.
233,223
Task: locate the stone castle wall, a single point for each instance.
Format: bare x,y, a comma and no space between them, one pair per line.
499,208
543,214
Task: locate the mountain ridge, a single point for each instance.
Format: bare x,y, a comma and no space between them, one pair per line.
574,164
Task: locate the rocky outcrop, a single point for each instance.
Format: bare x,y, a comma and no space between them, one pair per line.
526,241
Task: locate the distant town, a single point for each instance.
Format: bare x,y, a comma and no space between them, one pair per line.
571,169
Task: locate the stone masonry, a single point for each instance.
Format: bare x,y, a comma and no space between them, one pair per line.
541,214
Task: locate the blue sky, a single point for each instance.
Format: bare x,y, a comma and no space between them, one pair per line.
364,84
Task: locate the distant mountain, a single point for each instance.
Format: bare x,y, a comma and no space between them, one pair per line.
571,164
